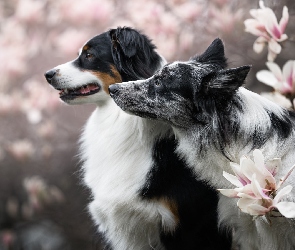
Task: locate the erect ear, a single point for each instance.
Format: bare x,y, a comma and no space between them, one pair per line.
224,81
217,88
214,55
133,53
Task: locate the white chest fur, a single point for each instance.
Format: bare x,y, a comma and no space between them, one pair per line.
116,150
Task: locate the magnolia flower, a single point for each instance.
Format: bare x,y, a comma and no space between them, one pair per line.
277,98
257,188
223,19
266,27
281,80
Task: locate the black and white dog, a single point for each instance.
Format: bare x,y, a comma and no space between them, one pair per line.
144,195
216,121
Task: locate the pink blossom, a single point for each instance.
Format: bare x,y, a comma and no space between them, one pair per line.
169,24
13,58
189,11
37,97
77,38
30,11
8,103
21,149
281,80
277,98
36,189
87,11
186,40
223,19
7,238
266,27
40,193
46,130
257,188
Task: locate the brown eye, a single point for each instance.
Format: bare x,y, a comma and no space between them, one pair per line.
88,55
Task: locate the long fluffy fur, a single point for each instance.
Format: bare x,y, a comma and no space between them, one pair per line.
216,121
143,194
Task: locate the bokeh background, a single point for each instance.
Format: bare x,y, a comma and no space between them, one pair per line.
43,204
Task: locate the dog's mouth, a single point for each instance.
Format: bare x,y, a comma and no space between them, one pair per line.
85,90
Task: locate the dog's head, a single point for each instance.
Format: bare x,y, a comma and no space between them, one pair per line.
183,93
121,54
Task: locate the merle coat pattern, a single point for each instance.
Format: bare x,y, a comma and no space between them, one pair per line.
143,194
216,121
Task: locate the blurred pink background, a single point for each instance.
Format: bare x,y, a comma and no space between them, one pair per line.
41,195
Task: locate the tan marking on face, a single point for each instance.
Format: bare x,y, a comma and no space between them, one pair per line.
108,79
85,47
171,206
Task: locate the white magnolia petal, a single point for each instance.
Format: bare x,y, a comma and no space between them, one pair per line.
261,4
274,165
284,191
287,209
229,192
258,190
243,203
271,56
248,196
274,46
288,73
278,98
271,24
247,167
276,70
267,77
285,177
253,12
259,162
284,20
233,179
237,170
258,47
256,209
235,166
283,38
254,27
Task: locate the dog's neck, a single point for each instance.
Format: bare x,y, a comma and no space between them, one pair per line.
145,130
121,145
258,124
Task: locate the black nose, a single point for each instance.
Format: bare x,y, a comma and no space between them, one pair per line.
114,88
49,75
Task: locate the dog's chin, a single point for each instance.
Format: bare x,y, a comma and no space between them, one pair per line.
143,114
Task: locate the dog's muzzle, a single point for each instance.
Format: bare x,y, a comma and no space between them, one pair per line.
113,89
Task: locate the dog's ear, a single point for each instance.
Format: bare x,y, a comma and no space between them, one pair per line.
224,81
134,54
216,90
214,55
124,39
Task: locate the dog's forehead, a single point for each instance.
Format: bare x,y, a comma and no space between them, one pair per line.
174,68
100,43
178,68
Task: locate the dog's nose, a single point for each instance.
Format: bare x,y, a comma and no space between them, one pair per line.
113,89
49,75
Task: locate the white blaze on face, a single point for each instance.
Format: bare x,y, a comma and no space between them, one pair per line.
69,76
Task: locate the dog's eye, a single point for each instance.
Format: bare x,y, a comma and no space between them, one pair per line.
88,55
157,82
